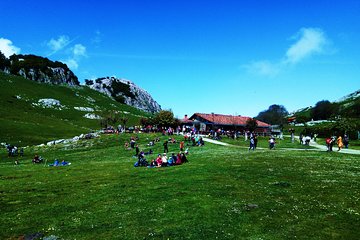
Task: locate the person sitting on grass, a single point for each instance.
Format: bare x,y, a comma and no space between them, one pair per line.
159,160
153,164
141,162
186,151
178,159
55,164
183,158
164,160
126,146
172,160
64,163
37,159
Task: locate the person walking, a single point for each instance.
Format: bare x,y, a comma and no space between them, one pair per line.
166,149
252,144
340,143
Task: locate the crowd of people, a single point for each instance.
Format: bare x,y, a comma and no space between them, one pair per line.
190,139
340,142
162,160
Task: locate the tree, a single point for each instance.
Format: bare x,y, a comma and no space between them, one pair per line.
89,82
251,124
4,62
123,119
274,115
164,118
110,119
301,119
324,110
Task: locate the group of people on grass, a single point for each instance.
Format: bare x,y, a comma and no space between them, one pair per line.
58,163
162,160
38,159
14,151
254,141
340,141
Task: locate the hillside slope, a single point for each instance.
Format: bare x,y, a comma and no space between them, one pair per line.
348,107
34,113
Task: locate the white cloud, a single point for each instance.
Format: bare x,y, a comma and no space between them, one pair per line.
309,41
79,50
58,44
71,63
264,68
7,47
74,53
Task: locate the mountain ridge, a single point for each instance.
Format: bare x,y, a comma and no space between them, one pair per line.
125,91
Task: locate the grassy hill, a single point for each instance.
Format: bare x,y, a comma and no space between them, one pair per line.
348,106
224,192
25,121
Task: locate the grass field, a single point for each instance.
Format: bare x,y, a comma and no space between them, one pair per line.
23,122
222,193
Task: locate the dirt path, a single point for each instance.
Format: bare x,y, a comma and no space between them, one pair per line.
318,147
344,150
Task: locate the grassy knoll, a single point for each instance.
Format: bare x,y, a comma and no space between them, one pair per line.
222,193
24,122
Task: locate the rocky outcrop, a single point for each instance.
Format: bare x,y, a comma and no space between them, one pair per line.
56,75
40,69
126,92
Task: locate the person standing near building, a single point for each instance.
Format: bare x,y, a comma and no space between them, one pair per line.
346,141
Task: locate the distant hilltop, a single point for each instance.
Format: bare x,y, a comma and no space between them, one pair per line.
125,91
38,69
43,70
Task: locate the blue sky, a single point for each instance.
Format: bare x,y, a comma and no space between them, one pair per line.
229,57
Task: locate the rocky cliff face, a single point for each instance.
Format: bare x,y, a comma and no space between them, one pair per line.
40,69
126,92
57,75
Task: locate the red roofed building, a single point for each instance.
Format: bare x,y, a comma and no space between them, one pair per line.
206,122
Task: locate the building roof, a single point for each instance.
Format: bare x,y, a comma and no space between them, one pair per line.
186,120
221,119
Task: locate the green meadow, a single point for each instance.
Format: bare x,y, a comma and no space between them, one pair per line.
24,122
224,192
